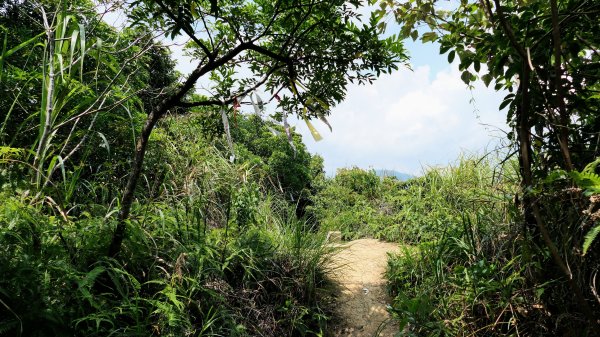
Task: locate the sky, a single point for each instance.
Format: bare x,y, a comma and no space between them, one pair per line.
411,120
405,121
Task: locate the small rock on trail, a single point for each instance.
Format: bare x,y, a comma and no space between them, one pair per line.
360,306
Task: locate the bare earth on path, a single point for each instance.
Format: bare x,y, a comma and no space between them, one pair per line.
360,306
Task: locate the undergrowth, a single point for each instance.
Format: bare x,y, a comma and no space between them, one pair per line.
470,267
474,269
210,252
262,279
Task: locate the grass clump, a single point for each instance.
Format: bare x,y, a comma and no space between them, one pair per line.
460,278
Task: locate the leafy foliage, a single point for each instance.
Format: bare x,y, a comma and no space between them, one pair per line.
359,203
513,45
303,53
589,180
210,246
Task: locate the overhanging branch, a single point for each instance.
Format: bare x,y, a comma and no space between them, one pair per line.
230,100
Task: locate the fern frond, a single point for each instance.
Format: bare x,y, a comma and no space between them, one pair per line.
588,180
9,325
591,167
590,237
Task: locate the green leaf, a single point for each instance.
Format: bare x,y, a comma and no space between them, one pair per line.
466,76
429,37
74,37
313,131
8,53
51,166
63,171
591,167
487,79
444,48
85,284
505,103
451,56
104,143
2,55
414,35
7,152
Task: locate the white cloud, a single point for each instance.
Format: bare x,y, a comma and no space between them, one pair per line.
406,120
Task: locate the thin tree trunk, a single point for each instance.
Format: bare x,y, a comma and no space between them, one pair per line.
140,152
134,175
563,128
172,101
157,113
523,129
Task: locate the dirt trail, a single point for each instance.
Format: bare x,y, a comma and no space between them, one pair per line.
360,306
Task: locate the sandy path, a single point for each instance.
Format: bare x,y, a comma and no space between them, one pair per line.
360,306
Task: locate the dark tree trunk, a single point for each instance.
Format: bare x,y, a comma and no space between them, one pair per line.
134,175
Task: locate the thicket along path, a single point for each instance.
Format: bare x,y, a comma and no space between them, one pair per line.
360,305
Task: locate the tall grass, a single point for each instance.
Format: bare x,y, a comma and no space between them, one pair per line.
470,271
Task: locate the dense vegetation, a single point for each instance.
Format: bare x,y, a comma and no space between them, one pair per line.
133,205
545,54
467,266
212,243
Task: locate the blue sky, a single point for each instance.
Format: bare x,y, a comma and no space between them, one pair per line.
405,121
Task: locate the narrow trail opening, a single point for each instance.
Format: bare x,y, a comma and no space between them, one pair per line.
360,305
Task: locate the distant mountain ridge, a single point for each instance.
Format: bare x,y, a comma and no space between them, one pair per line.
392,173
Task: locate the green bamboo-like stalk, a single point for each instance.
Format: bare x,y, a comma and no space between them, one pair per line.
47,98
64,48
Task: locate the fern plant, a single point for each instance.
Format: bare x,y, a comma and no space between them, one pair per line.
589,180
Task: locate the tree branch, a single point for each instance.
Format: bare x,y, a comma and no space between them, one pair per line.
271,54
231,99
509,31
186,30
158,112
271,21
